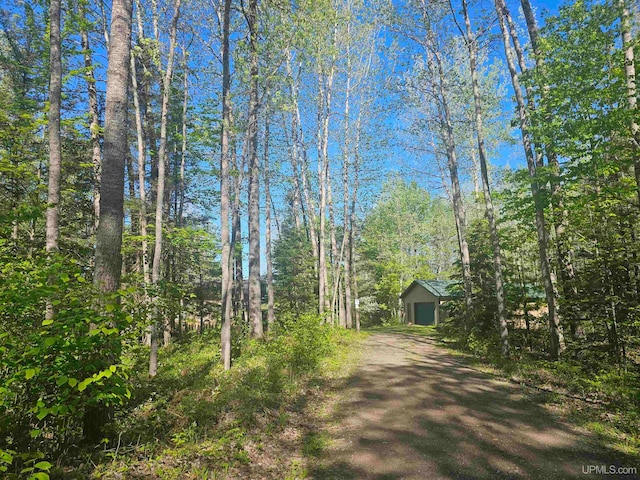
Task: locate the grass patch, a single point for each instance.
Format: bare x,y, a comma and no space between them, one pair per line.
195,420
314,443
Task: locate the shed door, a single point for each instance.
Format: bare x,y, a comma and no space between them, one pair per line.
425,313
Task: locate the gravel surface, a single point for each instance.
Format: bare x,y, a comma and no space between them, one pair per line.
412,411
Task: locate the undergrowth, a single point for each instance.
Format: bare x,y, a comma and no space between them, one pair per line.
194,420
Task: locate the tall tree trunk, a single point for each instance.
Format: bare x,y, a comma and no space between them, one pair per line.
352,221
131,183
227,281
271,315
325,86
55,147
108,256
239,303
255,310
297,135
295,153
560,214
630,75
160,193
151,137
456,192
322,180
183,151
94,125
306,188
142,189
335,261
486,189
555,329
345,248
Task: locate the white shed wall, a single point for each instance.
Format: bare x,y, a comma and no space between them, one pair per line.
419,294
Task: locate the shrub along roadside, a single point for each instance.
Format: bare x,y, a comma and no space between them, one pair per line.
53,370
196,419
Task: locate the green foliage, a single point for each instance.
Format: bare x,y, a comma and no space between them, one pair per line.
51,371
407,235
197,413
300,343
295,281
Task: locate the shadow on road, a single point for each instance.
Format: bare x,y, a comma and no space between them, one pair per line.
411,412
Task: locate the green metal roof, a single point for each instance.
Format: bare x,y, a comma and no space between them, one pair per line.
440,288
446,288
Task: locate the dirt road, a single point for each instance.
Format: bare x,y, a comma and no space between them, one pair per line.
413,412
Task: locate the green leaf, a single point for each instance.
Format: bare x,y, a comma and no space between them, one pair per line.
82,386
29,373
72,382
6,457
39,476
34,433
47,322
61,380
42,413
43,465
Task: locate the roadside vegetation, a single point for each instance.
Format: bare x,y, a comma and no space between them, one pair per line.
196,420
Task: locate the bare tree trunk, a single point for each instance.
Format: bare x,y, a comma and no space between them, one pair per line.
322,180
345,248
295,153
154,17
94,125
630,74
142,188
334,254
152,139
109,234
55,147
474,172
308,198
239,303
456,193
183,152
555,329
324,111
162,161
486,189
255,310
131,183
108,256
560,214
227,282
297,136
271,315
352,221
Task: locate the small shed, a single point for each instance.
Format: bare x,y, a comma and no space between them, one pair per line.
422,299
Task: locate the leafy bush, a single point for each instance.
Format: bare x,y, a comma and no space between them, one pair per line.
267,371
300,343
53,370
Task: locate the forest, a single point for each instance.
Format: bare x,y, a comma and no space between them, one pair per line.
205,205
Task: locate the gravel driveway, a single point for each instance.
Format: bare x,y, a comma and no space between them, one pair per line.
412,412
